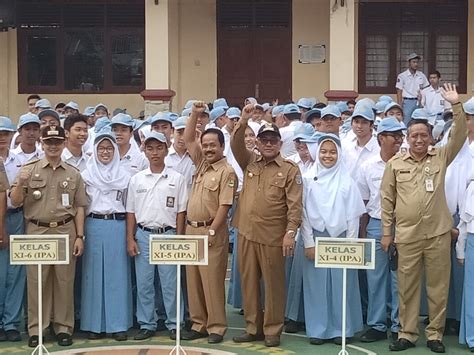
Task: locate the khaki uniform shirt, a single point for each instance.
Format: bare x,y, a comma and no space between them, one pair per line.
61,190
407,203
271,199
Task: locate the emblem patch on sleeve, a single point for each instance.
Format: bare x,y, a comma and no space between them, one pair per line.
298,180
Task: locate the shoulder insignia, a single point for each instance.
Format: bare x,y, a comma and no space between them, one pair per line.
291,162
31,162
298,180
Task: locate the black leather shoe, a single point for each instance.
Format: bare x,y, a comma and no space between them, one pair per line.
193,335
247,338
215,338
401,344
64,339
394,336
144,334
272,341
3,335
33,341
13,335
436,346
95,336
372,335
316,341
291,327
120,336
172,334
338,340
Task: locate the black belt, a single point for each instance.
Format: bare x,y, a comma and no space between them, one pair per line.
117,216
410,98
155,230
14,210
200,224
51,224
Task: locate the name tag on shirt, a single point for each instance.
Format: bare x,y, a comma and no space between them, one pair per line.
169,201
441,102
429,185
141,191
65,199
119,196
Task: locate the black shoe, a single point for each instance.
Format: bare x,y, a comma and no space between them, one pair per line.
160,325
401,344
120,336
272,341
372,335
241,312
33,341
13,335
95,336
193,335
172,334
247,338
316,341
471,349
291,327
394,336
3,335
338,340
144,334
436,346
215,338
64,339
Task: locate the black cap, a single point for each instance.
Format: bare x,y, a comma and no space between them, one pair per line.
52,132
269,127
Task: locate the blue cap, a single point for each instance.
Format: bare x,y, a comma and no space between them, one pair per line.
385,98
251,100
73,105
221,102
180,123
330,136
160,137
276,110
380,106
469,106
105,133
164,116
304,131
217,112
305,102
6,124
49,112
291,109
137,123
101,105
122,119
314,138
330,110
88,111
28,118
342,106
391,105
186,112
364,112
43,103
313,112
263,107
365,102
390,124
234,112
413,56
420,114
101,123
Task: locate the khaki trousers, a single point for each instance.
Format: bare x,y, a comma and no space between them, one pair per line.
434,255
57,285
257,261
206,286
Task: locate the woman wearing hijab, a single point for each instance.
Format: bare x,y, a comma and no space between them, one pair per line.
332,207
106,285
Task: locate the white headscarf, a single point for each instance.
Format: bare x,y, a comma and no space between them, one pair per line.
105,177
254,126
331,197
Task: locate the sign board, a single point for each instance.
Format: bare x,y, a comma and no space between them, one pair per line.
349,253
312,54
45,249
178,249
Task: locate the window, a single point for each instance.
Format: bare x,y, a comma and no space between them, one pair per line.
388,32
89,46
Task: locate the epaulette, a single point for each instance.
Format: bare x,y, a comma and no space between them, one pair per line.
31,162
291,162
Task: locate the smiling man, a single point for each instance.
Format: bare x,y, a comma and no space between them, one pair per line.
76,130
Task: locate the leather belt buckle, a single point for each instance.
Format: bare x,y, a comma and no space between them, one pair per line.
108,216
194,224
53,224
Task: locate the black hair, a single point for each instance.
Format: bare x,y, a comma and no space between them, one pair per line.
434,72
319,105
218,132
419,121
350,102
72,119
60,105
34,96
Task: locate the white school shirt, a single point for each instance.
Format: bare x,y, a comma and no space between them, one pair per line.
77,162
287,134
354,155
105,202
369,180
26,157
410,83
156,199
183,165
432,100
12,167
134,161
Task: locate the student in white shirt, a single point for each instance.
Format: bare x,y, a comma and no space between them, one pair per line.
431,98
156,204
106,304
75,127
292,117
29,129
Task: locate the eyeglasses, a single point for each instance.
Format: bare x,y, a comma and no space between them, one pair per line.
272,140
397,137
105,149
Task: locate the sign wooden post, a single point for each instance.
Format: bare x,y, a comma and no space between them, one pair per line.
178,250
40,249
344,253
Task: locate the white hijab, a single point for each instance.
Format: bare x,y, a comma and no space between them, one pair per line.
105,177
331,198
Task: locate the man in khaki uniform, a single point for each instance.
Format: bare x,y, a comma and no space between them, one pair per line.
212,195
268,214
413,200
53,196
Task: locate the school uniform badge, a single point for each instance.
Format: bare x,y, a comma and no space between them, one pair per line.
170,201
298,179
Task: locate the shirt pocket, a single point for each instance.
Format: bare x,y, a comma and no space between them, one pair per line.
210,191
66,187
276,188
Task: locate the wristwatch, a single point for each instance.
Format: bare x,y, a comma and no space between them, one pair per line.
80,237
291,233
212,232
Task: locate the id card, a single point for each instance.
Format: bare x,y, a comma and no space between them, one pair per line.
429,185
65,200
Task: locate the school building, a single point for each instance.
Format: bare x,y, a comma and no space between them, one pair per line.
155,54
